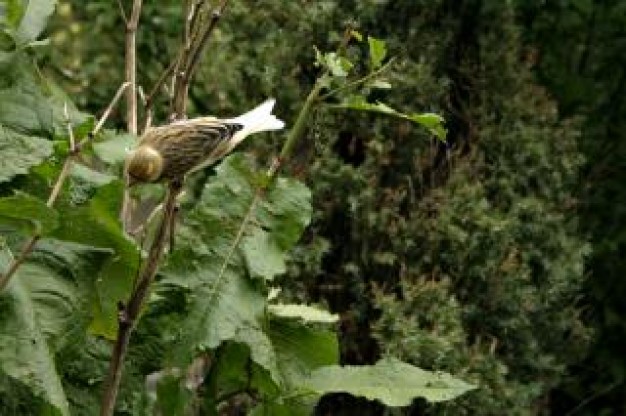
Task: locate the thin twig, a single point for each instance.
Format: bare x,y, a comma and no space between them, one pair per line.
131,66
129,313
359,81
157,86
122,12
75,149
191,57
17,262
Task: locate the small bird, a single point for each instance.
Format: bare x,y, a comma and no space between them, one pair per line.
170,152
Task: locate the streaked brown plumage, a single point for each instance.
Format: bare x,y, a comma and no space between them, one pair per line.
170,152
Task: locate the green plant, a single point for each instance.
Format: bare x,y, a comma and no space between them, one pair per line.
211,335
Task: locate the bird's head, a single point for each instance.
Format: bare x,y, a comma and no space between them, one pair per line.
144,164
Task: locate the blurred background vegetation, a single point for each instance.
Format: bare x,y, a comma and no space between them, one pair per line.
498,256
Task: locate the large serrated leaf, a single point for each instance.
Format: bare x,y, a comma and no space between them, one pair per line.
390,381
97,224
24,352
34,213
226,304
20,152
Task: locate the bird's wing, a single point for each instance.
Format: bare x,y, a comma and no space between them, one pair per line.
189,145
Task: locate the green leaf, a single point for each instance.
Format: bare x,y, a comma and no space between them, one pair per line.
24,352
34,20
44,310
20,152
14,10
338,66
390,381
114,147
172,396
25,109
432,122
263,256
225,303
232,371
301,349
285,408
303,312
378,51
97,224
90,176
30,211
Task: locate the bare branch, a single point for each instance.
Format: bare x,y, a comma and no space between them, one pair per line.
192,51
131,66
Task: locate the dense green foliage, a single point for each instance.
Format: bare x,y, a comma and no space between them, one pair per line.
495,256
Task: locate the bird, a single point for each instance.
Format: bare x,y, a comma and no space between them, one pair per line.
170,152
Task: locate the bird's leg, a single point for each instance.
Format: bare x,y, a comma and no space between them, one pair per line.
172,227
175,187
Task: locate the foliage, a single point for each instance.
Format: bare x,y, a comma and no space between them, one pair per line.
576,50
209,340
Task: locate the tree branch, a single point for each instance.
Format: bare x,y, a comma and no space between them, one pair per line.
194,40
129,313
193,47
131,66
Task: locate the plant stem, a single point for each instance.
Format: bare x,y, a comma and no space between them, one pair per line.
131,66
129,313
359,81
193,45
295,135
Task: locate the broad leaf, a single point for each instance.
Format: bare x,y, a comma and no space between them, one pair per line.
114,147
24,108
390,381
433,122
225,303
29,212
20,152
43,310
34,19
301,350
39,308
97,224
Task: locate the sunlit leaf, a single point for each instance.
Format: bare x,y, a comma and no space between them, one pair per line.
432,122
378,51
304,313
390,381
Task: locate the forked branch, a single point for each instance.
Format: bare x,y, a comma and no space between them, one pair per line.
196,36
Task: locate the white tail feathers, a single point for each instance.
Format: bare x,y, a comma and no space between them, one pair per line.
255,121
